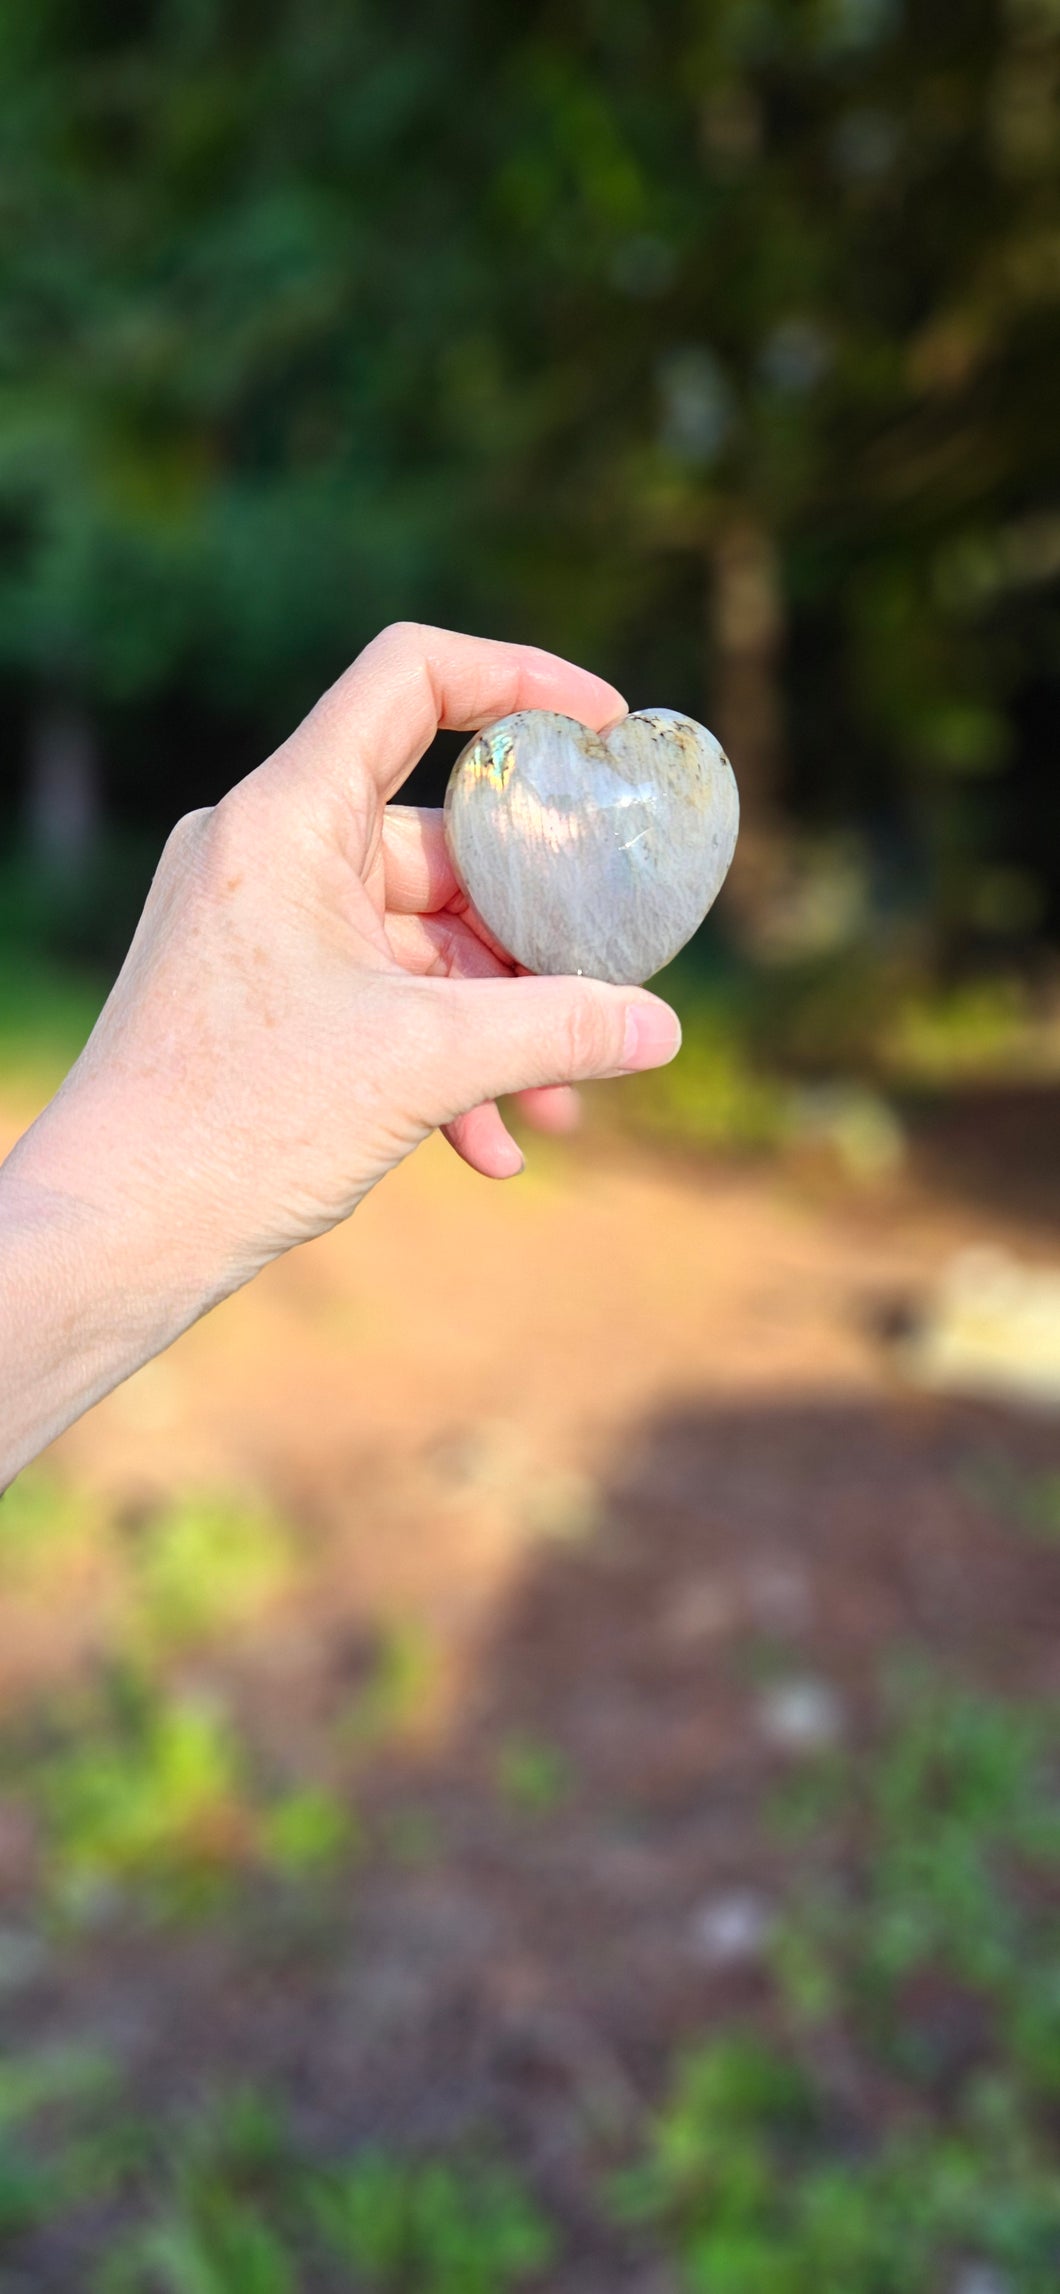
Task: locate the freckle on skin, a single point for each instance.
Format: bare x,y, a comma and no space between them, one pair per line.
233,883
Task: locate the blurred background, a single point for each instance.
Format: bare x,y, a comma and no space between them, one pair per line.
527,1742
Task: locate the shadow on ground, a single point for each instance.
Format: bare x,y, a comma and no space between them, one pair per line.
995,1148
548,1901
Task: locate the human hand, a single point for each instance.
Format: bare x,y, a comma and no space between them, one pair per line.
307,997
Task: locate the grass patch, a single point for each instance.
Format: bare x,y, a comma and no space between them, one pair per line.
1028,1502
401,1684
532,1775
884,2124
207,1564
222,2200
757,2183
146,1798
904,2128
432,2228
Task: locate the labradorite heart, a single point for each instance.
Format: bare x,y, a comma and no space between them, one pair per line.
592,852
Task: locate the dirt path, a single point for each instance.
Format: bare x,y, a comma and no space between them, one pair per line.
554,1315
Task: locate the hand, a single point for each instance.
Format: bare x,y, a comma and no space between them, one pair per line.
307,996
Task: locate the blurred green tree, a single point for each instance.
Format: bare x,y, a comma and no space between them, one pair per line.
714,340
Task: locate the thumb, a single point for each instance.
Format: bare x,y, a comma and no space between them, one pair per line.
497,1036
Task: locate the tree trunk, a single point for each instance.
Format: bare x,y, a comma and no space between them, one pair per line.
63,798
746,633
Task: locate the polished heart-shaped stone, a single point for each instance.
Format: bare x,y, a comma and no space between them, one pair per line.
592,852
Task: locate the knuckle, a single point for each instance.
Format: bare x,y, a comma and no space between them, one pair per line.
210,851
184,844
402,637
589,1036
188,830
226,837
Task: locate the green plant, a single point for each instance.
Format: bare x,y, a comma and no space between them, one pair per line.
1032,1501
211,2229
942,1870
226,2249
153,1794
920,1958
203,1565
532,1775
936,1035
402,1675
42,1522
48,2153
717,1094
761,2181
430,2227
153,1798
305,1830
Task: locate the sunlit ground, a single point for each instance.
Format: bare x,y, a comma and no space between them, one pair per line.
526,1751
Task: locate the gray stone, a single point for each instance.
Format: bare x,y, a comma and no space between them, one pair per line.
592,852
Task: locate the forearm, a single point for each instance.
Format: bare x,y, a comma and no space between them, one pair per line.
86,1297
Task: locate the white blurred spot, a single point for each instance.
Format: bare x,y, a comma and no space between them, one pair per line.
801,1715
981,2278
731,1928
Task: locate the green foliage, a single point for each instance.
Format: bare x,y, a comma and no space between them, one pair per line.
151,1795
56,2095
889,2124
219,2199
42,1521
982,1028
1030,1501
138,1787
240,2212
532,1775
431,2228
924,1948
761,2184
403,1671
225,2249
306,1831
260,391
955,1835
211,2230
205,1564
146,1793
721,1093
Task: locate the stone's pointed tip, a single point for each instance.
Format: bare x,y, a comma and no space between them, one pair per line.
593,853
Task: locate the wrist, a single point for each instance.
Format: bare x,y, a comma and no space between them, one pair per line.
89,1290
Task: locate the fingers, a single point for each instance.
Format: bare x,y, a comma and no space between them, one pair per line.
445,946
482,1039
554,1108
384,710
482,1139
418,874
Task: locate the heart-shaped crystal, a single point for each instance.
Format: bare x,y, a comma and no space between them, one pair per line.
592,852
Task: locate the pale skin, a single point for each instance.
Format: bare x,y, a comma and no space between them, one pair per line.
307,997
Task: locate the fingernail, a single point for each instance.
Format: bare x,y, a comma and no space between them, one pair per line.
653,1035
510,1159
